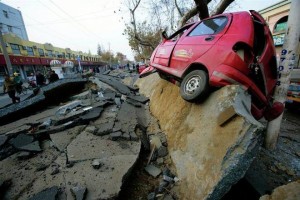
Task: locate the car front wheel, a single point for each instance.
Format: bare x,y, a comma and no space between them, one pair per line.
194,85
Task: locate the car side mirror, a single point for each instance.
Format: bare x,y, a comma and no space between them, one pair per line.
164,36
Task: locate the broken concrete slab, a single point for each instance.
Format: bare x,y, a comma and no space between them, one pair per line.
91,114
126,118
138,98
104,183
153,170
104,129
87,146
115,136
68,107
226,152
79,192
236,102
123,89
47,194
3,139
16,131
21,140
134,103
32,147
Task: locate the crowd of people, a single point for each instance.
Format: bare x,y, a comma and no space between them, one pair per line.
13,84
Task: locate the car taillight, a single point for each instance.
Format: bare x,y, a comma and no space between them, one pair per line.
244,52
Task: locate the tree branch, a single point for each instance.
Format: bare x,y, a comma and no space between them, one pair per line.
191,13
178,9
221,7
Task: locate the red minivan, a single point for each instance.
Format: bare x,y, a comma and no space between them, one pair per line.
231,48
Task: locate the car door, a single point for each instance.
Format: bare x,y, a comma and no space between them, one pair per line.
165,48
198,41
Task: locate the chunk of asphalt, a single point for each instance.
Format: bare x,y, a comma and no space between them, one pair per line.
122,88
153,170
110,95
32,147
47,194
91,129
139,98
134,103
162,186
3,139
133,136
104,129
21,140
126,136
168,179
162,151
118,101
96,164
79,192
92,114
151,196
115,136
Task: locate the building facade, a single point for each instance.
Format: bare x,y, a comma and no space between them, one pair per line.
11,21
276,16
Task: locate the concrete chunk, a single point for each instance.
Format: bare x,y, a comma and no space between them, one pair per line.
153,170
21,140
3,139
79,192
47,194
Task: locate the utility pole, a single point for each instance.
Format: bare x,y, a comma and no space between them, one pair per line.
6,57
288,60
109,55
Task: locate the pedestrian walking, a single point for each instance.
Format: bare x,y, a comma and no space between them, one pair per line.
18,82
9,86
40,79
53,77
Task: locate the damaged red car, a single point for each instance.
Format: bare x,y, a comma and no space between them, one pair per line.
231,48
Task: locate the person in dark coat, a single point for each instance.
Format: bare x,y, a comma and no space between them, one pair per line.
53,77
40,79
9,86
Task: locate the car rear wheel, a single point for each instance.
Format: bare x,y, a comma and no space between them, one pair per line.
194,85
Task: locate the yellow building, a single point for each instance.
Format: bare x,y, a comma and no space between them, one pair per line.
276,16
28,57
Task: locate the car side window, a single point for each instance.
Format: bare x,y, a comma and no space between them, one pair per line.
209,26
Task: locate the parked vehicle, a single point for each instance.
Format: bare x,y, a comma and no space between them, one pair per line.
293,95
231,48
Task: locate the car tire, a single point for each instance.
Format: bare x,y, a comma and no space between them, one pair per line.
194,85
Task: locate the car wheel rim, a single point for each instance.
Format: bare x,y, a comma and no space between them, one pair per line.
192,84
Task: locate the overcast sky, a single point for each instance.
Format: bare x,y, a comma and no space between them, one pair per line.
82,24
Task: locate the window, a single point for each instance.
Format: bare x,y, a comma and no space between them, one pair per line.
210,26
15,49
41,52
9,29
49,52
30,51
5,13
281,25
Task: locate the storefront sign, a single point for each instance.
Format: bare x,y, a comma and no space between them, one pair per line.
278,39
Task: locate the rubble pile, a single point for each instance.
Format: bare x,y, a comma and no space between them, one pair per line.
85,148
210,146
